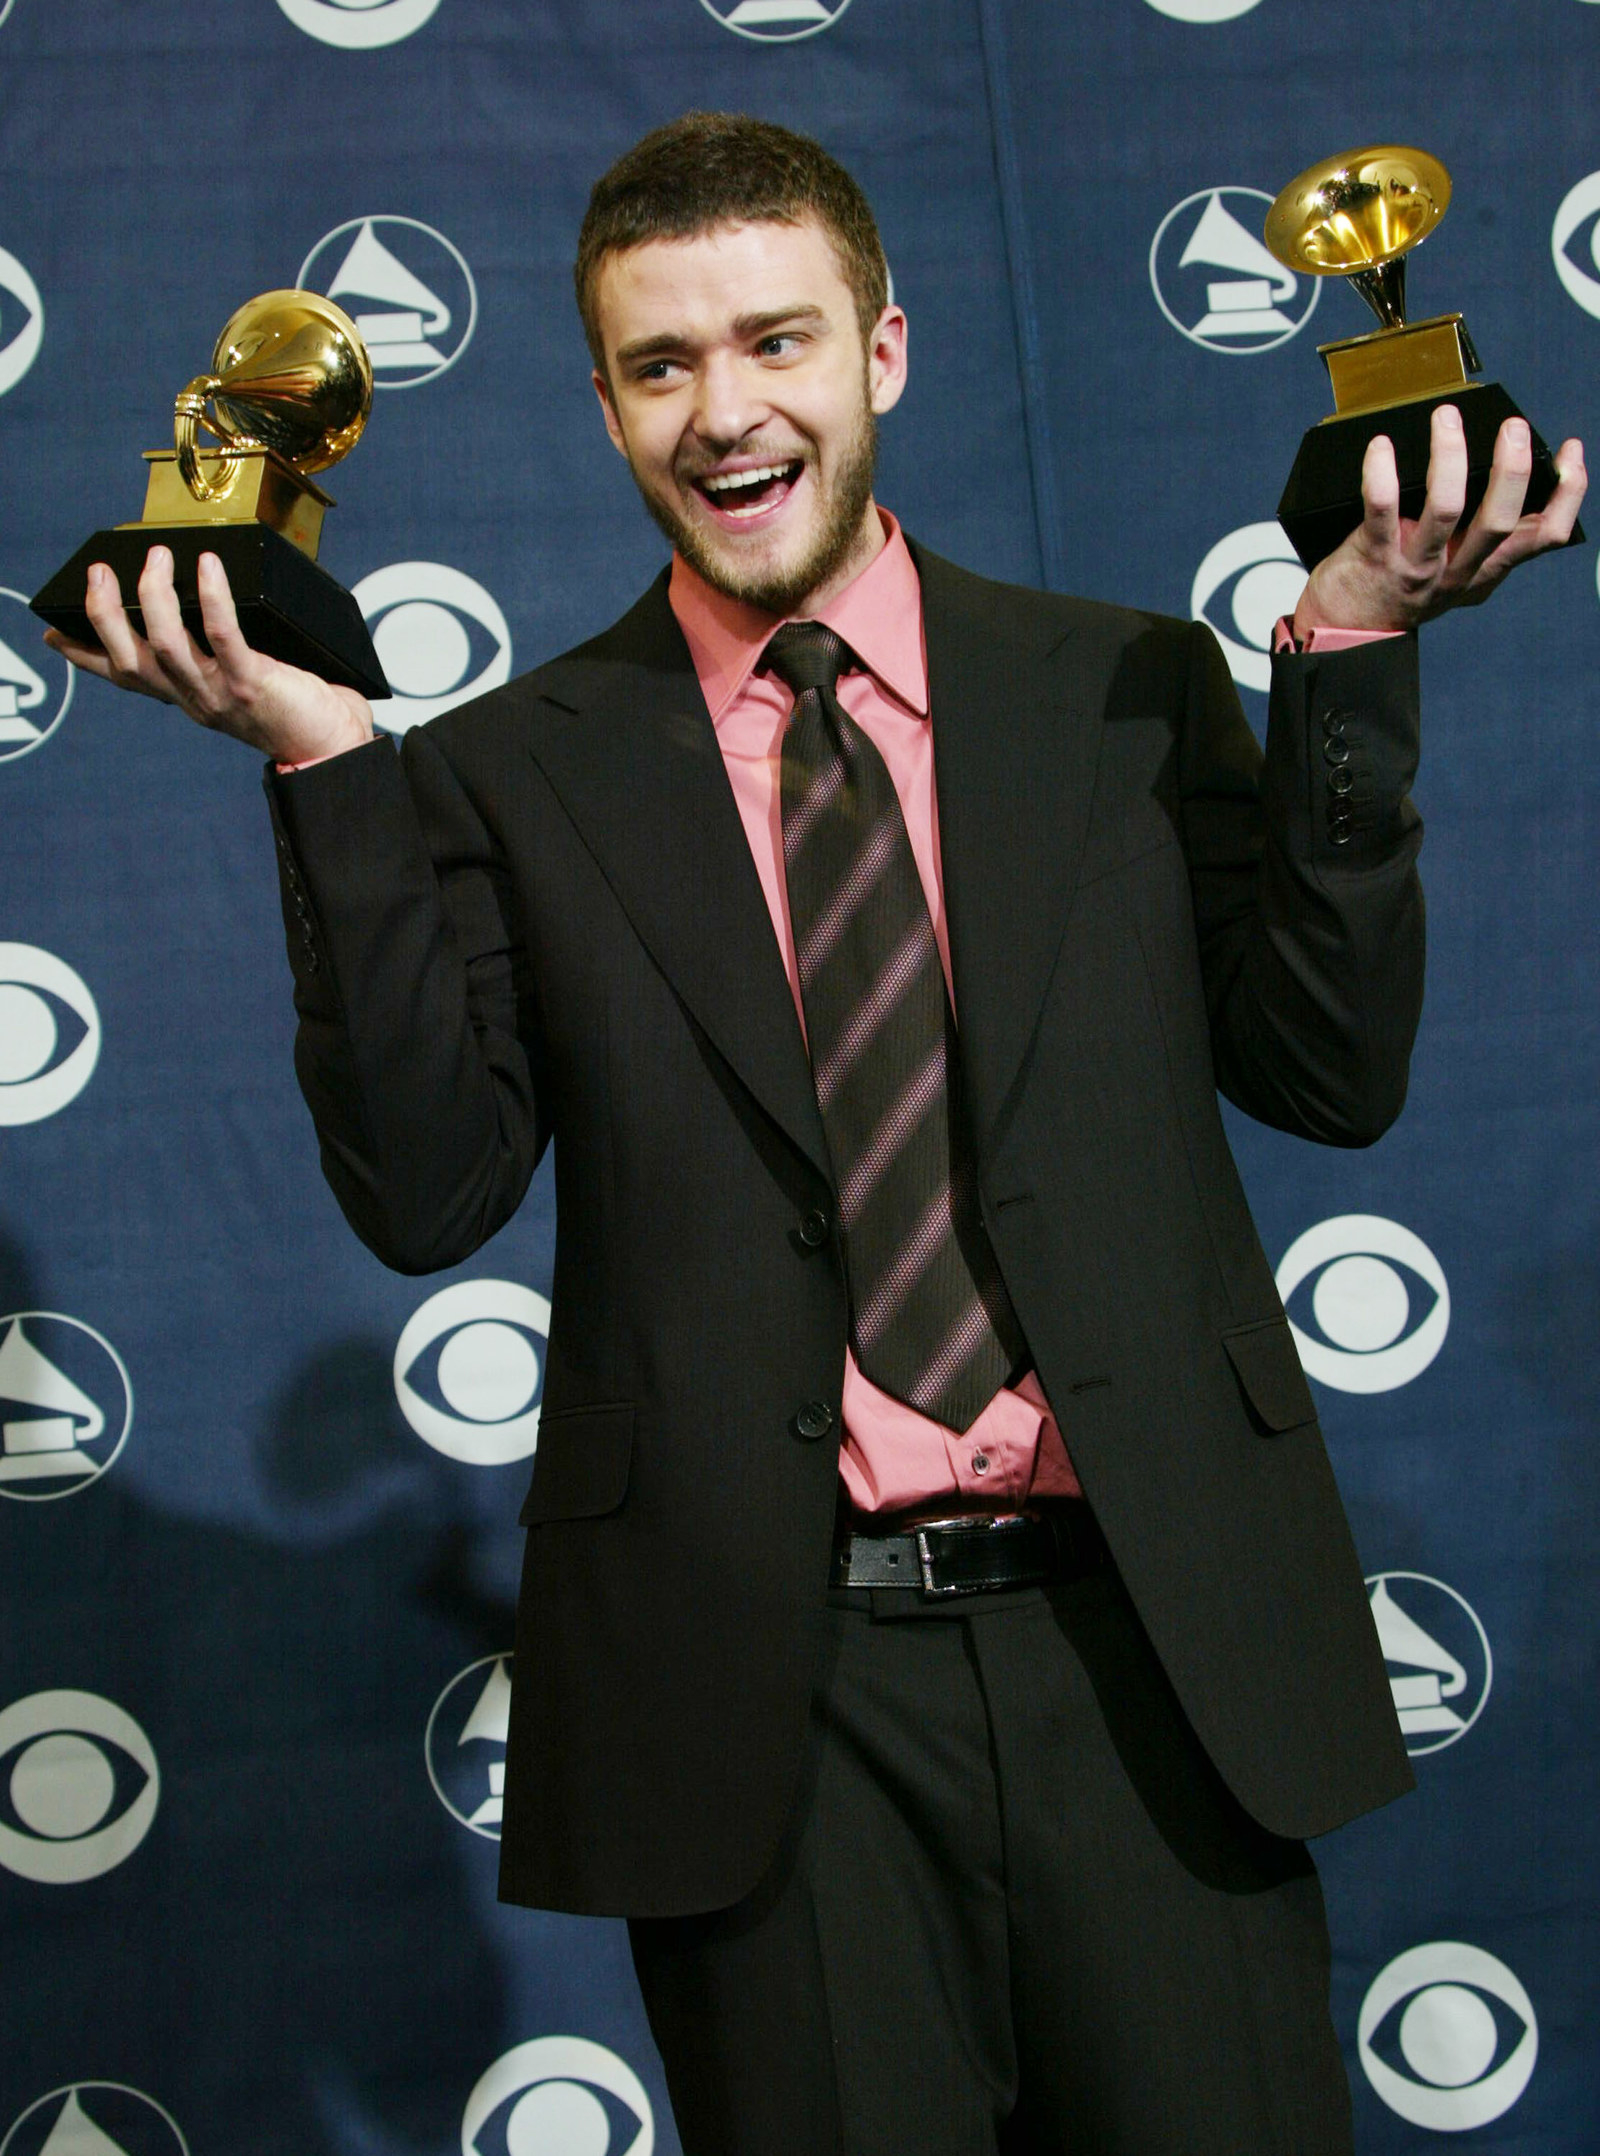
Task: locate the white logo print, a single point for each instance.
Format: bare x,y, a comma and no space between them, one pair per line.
1467,2064
21,321
1361,1303
1580,207
67,1761
358,25
776,21
95,2118
559,2096
471,1350
32,703
422,615
408,288
1440,1667
465,1744
5,9
1267,578
1258,304
44,1063
1203,10
66,1404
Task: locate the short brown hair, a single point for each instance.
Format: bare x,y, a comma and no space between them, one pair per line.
725,168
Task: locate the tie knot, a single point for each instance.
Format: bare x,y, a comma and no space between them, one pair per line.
806,655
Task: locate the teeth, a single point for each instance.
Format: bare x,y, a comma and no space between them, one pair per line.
723,480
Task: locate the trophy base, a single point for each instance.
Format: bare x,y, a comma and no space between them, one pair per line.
288,607
1321,504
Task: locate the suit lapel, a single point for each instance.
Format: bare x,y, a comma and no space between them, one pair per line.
624,736
1014,755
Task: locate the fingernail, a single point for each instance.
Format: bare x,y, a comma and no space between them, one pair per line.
96,575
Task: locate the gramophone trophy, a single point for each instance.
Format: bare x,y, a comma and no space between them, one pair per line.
290,388
1358,216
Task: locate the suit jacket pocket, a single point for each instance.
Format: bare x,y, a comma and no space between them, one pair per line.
581,1469
1268,1367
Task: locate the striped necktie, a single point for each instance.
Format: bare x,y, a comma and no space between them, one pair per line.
930,1319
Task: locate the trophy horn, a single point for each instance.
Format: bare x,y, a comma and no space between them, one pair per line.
291,374
1358,215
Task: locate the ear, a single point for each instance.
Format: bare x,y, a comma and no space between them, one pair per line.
886,359
608,411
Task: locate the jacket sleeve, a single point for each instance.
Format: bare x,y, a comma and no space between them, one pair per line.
1303,869
415,1049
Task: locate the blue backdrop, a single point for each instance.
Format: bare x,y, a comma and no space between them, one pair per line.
258,1496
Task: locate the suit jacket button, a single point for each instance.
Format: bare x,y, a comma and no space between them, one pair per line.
814,1229
814,1420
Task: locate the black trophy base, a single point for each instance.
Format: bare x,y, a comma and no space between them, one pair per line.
1321,505
288,608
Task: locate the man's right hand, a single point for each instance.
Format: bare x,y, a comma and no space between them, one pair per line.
288,714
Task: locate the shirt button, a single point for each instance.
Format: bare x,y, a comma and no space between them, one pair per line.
980,1463
814,1420
814,1229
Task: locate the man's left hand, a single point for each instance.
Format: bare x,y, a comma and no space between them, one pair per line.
1394,572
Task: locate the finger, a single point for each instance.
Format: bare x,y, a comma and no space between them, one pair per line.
131,662
1380,494
1447,487
240,664
1560,512
88,658
1500,512
177,654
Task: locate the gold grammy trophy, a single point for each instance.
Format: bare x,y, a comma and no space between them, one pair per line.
1359,215
289,390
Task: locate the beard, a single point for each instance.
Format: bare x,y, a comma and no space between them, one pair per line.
779,589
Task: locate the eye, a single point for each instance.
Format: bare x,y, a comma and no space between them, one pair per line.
66,1405
465,1744
1575,244
559,2092
21,321
1367,1300
468,1371
1244,585
79,1787
1447,2036
49,1034
439,635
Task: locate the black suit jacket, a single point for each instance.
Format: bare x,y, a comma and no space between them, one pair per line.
543,920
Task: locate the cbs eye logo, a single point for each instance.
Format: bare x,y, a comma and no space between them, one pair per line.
95,2118
468,1371
1252,578
1447,2036
776,22
79,1787
439,635
358,25
1203,10
558,2092
1367,1279
1574,236
21,321
49,1034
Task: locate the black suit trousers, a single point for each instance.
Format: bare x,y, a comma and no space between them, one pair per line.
1016,1910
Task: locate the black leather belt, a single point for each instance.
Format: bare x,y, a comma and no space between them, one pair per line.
968,1556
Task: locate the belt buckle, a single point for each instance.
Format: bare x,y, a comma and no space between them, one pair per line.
931,1586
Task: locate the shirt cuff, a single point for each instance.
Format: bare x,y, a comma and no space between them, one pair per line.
1327,639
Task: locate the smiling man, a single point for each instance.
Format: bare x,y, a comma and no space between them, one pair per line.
939,1630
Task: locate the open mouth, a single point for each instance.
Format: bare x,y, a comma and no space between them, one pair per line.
741,497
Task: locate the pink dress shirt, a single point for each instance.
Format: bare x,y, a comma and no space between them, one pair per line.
893,1459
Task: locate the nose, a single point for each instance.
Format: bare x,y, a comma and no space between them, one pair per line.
729,404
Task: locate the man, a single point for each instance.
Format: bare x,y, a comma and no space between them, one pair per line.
939,1629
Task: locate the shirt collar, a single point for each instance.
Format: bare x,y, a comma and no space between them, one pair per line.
879,615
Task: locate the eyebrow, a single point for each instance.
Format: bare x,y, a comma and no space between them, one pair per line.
746,327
